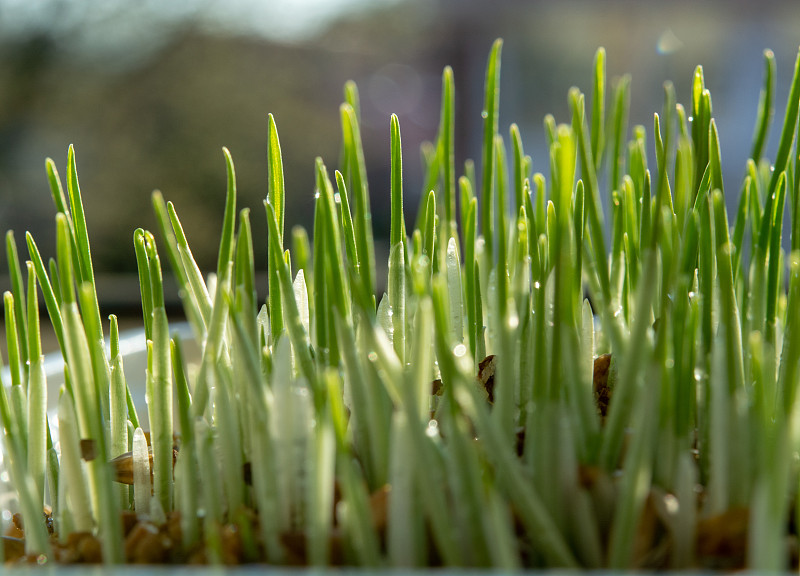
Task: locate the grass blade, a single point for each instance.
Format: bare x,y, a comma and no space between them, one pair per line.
766,107
491,104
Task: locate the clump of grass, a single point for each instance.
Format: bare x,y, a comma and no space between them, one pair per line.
589,372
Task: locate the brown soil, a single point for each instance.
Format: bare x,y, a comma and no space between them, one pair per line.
147,543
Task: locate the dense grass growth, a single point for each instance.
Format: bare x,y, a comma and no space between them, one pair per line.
367,427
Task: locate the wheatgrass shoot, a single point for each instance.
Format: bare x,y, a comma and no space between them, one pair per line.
638,399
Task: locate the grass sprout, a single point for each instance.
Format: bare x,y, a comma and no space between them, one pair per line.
596,368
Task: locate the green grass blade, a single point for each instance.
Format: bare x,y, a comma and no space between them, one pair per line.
51,300
471,288
56,188
429,228
276,194
190,305
346,223
211,490
701,118
619,128
774,262
71,466
226,245
198,289
17,288
145,285
795,198
501,189
321,330
592,205
788,368
405,544
88,405
447,136
729,315
766,107
259,407
714,163
519,173
369,421
787,133
37,393
276,197
301,248
598,107
397,299
244,271
81,237
297,333
454,287
160,407
663,197
636,478
363,216
491,105
739,227
213,344
228,438
431,167
186,487
34,325
321,492
397,232
538,524
15,363
332,251
118,417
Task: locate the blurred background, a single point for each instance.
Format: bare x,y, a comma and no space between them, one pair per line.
148,92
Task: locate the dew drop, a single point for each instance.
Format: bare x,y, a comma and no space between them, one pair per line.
4,477
484,114
41,559
459,351
337,197
7,516
671,504
316,194
432,430
373,356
